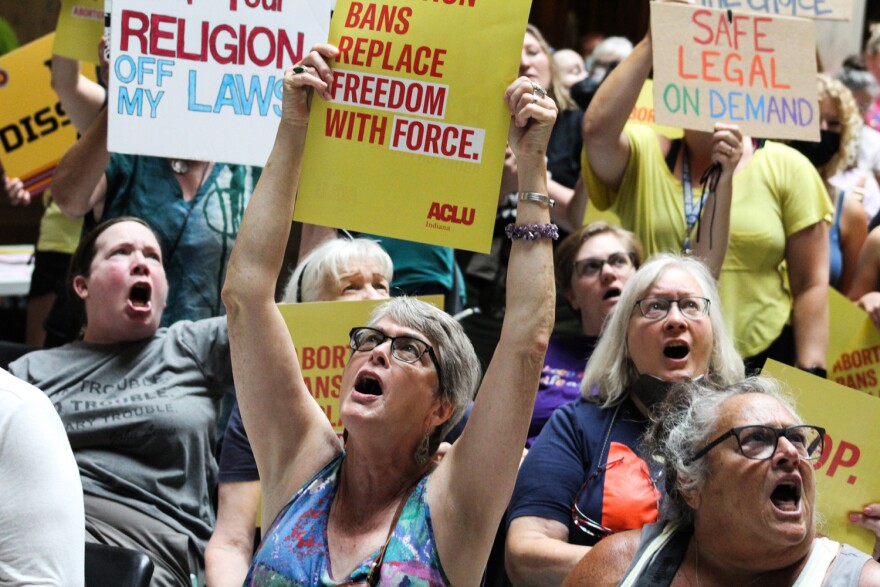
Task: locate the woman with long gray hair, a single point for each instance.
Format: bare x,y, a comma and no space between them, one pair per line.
583,478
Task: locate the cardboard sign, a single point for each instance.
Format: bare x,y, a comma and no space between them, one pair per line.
848,473
412,144
34,129
758,72
319,331
79,29
201,79
853,357
818,9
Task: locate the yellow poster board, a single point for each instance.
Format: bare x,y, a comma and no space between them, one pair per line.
34,129
79,29
412,144
848,473
319,331
643,112
853,357
752,70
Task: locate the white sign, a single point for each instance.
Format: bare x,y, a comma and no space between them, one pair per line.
202,79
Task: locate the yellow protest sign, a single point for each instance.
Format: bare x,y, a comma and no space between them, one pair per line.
848,473
853,357
755,71
643,112
319,331
412,144
34,130
79,30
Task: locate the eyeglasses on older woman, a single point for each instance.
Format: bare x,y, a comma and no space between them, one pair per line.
760,442
406,349
692,308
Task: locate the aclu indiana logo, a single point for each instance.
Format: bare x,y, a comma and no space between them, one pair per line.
443,216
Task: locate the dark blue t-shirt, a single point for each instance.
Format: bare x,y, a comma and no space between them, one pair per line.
571,446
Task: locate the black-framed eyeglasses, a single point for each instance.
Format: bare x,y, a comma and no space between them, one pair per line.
406,349
583,522
592,266
760,442
691,307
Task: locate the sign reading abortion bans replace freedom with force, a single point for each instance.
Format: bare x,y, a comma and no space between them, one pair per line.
412,143
202,79
758,72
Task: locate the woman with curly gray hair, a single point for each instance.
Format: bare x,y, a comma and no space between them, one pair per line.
741,492
583,477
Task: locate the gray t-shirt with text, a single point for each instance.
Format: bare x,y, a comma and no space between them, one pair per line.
141,417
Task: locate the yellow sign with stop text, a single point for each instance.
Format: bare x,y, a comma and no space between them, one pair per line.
848,473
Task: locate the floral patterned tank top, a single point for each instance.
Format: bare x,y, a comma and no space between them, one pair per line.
294,551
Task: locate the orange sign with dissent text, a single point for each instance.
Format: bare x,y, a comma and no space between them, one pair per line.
34,129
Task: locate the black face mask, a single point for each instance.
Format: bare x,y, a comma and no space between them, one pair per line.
652,390
819,153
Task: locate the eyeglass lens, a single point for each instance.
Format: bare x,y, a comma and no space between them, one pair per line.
658,308
592,266
760,442
403,348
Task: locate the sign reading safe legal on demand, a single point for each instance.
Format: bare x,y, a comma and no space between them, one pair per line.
202,79
753,70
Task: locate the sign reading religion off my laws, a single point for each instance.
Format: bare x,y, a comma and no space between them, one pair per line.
202,79
412,144
756,71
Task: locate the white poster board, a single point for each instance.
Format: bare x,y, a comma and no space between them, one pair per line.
202,79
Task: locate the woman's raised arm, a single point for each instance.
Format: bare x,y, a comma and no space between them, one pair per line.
295,439
473,483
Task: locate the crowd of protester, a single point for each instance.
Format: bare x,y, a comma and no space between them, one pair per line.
587,410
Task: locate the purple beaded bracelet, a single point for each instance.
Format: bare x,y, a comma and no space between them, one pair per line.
531,231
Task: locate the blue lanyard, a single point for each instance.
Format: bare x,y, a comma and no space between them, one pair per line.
692,209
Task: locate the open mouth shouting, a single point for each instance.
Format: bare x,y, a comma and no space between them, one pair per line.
786,495
676,350
368,385
612,293
139,297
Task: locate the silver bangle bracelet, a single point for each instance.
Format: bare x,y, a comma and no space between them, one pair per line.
536,197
